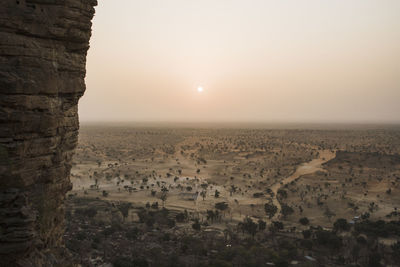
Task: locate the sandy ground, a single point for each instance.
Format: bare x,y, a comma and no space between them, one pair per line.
305,168
238,164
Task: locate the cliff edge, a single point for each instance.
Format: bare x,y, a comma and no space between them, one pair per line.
43,47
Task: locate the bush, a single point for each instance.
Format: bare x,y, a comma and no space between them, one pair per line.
278,225
132,234
181,217
282,193
361,240
88,212
166,237
221,206
258,195
262,225
108,231
270,210
112,229
124,209
304,221
307,234
281,263
378,228
81,235
126,262
286,210
341,225
374,260
248,226
328,239
305,243
196,225
220,263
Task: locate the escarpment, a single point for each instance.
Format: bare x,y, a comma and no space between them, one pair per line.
43,46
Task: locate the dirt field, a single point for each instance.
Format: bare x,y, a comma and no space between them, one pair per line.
164,196
318,174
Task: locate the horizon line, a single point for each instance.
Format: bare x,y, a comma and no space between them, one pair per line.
230,124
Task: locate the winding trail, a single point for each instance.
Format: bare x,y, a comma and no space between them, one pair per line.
305,168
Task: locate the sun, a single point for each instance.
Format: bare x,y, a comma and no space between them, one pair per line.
199,89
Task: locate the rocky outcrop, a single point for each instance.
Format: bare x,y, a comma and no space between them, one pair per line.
43,46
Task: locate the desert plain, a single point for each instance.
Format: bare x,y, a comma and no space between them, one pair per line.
232,183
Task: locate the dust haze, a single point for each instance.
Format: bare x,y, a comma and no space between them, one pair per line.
266,61
230,133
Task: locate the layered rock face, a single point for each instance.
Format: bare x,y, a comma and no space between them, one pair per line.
43,46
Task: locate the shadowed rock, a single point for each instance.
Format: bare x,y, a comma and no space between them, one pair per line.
43,46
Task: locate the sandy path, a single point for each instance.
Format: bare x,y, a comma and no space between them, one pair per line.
305,168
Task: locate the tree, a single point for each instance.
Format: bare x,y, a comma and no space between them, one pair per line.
221,206
248,226
307,234
163,198
91,212
270,209
216,194
196,225
204,186
261,225
374,260
278,225
365,216
132,233
329,214
124,209
164,189
304,221
181,217
203,194
307,244
282,193
286,210
396,249
341,225
210,215
329,239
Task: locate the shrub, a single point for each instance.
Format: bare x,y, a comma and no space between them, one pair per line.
286,210
307,234
132,233
305,243
270,210
196,225
341,225
304,221
329,239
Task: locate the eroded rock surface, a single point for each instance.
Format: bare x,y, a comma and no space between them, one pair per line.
43,46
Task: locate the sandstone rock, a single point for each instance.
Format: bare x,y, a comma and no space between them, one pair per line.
43,46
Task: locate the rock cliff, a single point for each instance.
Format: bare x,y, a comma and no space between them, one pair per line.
43,46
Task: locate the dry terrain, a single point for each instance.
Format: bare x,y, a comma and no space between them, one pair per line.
222,179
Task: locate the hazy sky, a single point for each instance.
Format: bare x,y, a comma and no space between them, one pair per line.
257,60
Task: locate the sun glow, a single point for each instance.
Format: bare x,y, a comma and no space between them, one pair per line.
199,89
